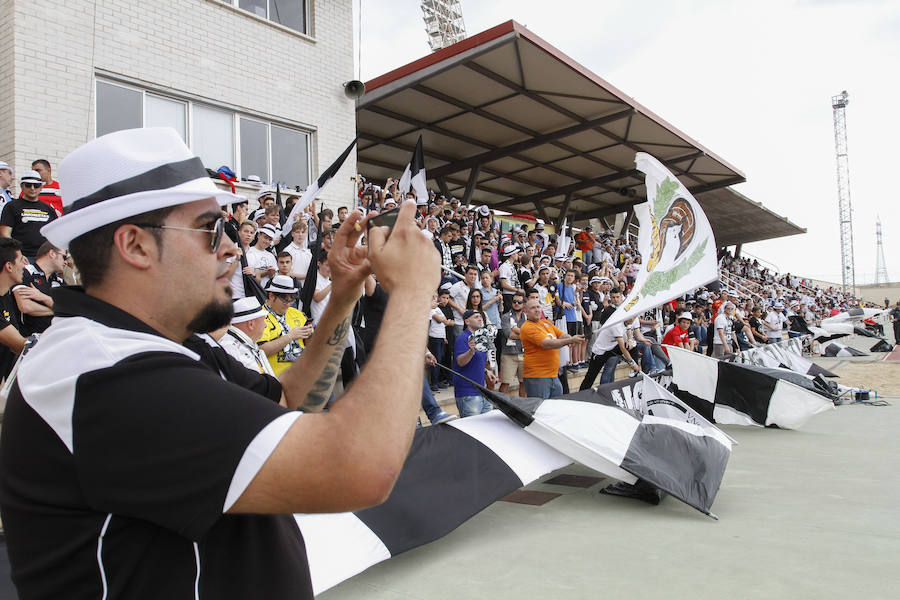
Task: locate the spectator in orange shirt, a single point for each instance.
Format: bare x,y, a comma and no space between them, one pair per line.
584,241
541,341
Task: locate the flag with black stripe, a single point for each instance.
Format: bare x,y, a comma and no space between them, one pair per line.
652,436
315,188
740,394
833,348
414,175
785,355
453,471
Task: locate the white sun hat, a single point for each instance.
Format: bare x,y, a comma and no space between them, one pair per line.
127,173
247,309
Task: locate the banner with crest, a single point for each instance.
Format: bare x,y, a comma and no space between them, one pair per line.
678,250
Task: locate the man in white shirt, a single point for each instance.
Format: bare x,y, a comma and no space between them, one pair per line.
774,323
545,296
323,288
259,258
300,254
247,325
459,294
723,331
610,343
509,279
6,179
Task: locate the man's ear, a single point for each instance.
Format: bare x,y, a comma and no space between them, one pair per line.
135,246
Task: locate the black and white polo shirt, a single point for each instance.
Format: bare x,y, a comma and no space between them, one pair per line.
120,454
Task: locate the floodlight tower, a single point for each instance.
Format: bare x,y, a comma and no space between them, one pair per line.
443,23
881,275
845,213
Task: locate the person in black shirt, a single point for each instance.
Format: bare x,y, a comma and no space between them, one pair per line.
756,326
239,212
23,218
32,297
131,468
12,265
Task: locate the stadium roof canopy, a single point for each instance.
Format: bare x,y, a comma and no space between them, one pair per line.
509,121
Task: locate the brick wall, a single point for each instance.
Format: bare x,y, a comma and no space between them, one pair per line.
197,48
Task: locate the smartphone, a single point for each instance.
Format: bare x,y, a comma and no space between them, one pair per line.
386,219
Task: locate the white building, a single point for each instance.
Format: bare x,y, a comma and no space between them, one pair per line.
256,85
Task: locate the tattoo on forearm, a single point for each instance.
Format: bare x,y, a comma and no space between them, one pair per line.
340,333
321,389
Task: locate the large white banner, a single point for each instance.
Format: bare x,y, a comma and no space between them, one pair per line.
678,250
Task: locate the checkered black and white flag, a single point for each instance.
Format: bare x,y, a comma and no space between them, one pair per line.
737,394
453,472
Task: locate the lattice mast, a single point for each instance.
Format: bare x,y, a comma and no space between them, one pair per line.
443,23
845,212
881,274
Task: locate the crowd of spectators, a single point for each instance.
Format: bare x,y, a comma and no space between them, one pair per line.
517,307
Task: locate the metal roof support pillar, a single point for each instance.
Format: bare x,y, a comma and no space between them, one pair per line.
442,184
626,230
737,250
539,206
564,209
470,185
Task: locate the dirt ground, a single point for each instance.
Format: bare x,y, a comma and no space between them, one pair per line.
882,377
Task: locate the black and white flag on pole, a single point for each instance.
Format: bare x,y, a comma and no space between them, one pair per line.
652,437
414,175
453,472
833,348
315,188
737,394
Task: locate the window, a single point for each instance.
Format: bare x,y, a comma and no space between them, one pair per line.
247,145
254,148
165,112
290,156
213,137
117,108
290,13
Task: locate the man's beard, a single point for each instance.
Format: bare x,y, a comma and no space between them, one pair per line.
213,316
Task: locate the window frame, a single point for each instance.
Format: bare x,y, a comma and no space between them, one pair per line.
236,116
309,34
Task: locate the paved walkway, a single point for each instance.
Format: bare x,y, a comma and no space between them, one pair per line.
803,514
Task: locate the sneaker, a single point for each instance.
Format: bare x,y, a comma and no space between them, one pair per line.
444,385
435,388
443,418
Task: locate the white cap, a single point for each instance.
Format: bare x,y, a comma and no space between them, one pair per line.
269,230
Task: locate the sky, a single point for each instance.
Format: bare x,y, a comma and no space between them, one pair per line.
752,81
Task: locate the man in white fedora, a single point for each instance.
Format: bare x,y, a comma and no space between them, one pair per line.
133,470
247,326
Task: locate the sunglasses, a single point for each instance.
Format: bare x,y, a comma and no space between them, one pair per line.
33,185
216,232
517,302
286,297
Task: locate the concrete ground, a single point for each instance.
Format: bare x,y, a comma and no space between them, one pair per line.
802,514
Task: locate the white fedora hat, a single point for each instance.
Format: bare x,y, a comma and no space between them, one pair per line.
247,309
282,284
127,173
